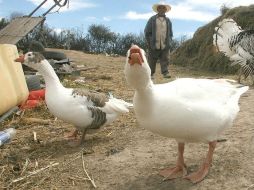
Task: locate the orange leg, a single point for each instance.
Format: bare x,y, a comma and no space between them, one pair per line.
179,170
204,168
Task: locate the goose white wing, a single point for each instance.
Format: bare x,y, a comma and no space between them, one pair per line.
201,90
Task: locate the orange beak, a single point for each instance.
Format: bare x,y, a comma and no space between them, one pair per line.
21,59
135,55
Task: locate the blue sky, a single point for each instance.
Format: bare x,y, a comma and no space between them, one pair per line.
123,16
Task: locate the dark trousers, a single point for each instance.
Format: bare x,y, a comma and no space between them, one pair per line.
163,56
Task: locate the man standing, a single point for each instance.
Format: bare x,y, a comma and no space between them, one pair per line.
158,34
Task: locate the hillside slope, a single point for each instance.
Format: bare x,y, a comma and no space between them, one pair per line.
200,52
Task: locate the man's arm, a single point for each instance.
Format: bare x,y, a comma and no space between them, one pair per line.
148,32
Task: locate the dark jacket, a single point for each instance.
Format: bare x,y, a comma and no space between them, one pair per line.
150,32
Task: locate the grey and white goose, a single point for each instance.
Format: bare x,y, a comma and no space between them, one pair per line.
84,109
237,44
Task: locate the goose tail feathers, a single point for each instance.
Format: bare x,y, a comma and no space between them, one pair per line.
118,105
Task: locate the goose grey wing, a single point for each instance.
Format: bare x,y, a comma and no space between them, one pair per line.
99,117
97,99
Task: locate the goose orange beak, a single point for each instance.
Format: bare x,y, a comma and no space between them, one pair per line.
21,59
135,55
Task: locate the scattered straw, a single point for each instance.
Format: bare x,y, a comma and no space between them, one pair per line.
34,173
36,120
84,168
78,178
25,166
110,133
250,187
2,172
36,164
35,136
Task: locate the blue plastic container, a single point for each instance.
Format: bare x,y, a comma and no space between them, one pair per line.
7,135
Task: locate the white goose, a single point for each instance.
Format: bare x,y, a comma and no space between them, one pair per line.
187,109
84,109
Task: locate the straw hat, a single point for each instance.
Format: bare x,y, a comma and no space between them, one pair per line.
161,3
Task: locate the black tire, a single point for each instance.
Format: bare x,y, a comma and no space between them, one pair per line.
33,82
54,55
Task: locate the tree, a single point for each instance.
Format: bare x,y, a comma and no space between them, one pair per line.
100,37
123,42
14,15
3,23
224,9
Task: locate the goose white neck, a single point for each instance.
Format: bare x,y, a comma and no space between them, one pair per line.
49,75
138,76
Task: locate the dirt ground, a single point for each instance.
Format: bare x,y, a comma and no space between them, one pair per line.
121,156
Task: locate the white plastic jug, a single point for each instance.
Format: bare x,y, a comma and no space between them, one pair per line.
13,88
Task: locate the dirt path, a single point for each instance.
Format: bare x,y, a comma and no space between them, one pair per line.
122,156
